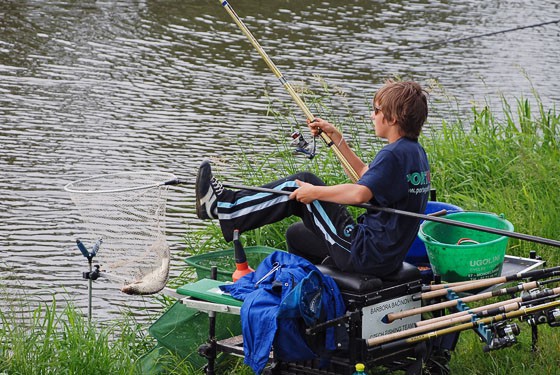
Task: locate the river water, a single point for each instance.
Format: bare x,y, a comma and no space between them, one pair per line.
91,87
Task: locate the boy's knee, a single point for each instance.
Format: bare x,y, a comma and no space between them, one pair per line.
308,177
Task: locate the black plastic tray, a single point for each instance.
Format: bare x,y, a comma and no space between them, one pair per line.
514,265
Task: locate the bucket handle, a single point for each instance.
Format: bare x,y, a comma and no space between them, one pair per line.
428,237
462,240
467,241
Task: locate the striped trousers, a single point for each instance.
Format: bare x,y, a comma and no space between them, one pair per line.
325,230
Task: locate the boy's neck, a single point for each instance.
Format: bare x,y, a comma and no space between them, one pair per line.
394,134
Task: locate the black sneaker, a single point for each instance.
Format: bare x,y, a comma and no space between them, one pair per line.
207,190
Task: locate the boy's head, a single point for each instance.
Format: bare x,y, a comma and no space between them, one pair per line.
406,103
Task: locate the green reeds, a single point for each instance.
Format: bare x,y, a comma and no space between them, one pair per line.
508,165
49,339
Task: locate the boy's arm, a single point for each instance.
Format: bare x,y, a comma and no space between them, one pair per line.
342,194
357,164
338,140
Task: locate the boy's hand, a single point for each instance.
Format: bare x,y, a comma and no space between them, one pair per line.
304,193
318,125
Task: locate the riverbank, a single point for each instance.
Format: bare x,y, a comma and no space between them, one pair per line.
503,164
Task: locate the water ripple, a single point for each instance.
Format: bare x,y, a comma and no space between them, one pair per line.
110,86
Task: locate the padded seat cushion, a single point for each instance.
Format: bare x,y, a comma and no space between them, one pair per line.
362,283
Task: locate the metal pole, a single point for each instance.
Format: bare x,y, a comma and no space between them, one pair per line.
501,232
526,237
90,289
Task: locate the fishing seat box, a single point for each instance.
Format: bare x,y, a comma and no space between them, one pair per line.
361,289
368,300
374,297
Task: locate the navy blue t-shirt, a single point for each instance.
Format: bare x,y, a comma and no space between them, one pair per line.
399,178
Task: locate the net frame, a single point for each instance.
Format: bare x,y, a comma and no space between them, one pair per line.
127,211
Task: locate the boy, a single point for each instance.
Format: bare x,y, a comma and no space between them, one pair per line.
398,177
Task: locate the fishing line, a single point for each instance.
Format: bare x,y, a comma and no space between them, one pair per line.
457,40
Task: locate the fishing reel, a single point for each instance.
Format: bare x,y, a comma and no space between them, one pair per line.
504,335
302,146
552,317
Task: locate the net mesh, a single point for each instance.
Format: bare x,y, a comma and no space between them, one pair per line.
127,212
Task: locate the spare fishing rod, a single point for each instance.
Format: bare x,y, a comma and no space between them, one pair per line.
289,88
523,311
482,312
459,302
475,284
526,298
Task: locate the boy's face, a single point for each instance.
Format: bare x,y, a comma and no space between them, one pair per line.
381,125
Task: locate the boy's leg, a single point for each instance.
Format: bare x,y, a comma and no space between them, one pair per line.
245,210
303,242
333,223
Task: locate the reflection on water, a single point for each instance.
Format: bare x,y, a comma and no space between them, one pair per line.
108,86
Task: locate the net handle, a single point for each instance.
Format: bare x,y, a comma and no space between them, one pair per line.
69,187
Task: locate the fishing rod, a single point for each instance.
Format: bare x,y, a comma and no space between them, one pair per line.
501,232
458,302
475,311
482,312
523,311
475,284
533,298
289,88
531,295
456,40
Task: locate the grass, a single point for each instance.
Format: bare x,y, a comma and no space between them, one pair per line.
468,358
504,164
51,339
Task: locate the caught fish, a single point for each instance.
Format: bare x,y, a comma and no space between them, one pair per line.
151,283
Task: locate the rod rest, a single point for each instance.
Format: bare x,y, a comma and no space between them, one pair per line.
361,283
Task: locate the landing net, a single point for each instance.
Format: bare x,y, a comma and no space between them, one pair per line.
127,212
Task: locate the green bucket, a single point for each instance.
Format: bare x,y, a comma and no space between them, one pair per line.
224,260
459,254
